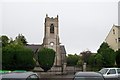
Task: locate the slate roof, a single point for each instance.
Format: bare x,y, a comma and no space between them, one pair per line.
35,47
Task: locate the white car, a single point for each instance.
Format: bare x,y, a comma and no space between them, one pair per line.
110,72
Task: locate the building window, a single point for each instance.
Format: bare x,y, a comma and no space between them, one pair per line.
116,40
113,31
51,28
119,39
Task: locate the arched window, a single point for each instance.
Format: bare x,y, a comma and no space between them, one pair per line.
51,28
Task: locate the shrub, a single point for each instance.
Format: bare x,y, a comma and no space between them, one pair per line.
17,57
46,58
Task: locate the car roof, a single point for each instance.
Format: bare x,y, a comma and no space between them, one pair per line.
18,75
111,68
88,74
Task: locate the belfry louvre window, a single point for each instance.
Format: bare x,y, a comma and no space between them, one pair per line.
51,28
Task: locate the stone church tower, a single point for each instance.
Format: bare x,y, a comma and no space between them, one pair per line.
51,37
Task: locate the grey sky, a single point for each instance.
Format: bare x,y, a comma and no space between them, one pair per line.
82,25
119,13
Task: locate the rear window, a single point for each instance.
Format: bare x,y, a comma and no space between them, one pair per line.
118,70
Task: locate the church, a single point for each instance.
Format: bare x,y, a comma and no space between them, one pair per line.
51,40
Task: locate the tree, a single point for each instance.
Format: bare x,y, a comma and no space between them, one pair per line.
95,61
80,62
103,46
118,58
85,56
91,60
5,40
11,41
72,59
17,57
98,60
108,55
20,39
46,58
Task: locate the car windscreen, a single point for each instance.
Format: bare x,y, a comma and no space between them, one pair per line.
88,78
103,71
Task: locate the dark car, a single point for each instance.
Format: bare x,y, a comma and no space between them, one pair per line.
20,76
88,76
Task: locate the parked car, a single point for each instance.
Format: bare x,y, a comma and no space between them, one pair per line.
20,76
88,76
111,73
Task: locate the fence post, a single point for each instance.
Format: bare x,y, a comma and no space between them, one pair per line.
84,67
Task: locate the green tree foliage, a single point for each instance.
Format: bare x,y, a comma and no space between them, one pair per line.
46,58
108,55
95,61
103,46
17,57
11,41
98,60
72,60
80,62
20,39
118,58
91,60
5,40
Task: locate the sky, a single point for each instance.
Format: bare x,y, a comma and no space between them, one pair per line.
119,13
83,24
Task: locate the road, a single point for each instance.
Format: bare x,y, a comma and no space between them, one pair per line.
56,77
